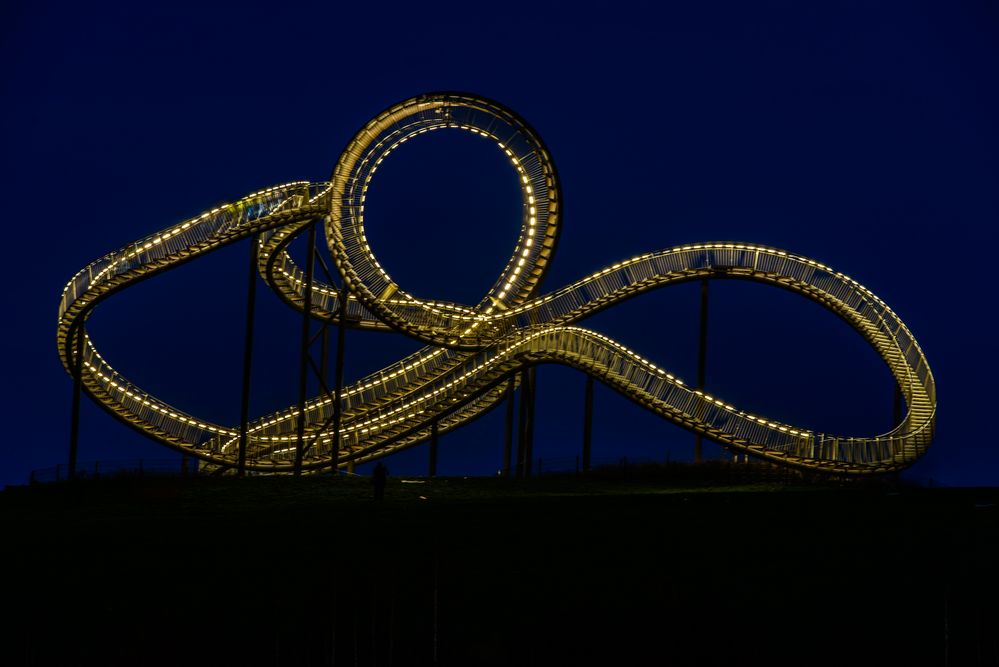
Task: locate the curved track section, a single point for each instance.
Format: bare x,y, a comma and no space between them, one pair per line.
472,350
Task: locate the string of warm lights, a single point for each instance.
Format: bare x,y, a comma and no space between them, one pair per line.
472,349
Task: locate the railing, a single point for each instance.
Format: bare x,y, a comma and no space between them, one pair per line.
170,247
473,349
422,377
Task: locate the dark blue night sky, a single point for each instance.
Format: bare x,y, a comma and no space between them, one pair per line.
862,134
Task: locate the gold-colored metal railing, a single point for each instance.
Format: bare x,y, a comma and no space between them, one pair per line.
473,349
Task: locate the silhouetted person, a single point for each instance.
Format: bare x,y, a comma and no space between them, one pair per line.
378,478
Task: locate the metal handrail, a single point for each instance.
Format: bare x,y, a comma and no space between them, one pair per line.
472,348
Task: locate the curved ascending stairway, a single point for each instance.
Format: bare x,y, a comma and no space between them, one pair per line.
471,350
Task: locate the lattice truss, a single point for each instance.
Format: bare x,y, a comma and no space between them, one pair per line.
471,350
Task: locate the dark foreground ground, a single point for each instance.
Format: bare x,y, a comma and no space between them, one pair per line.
611,571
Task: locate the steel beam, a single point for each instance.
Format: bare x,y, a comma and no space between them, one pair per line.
251,300
521,424
702,358
525,426
587,422
508,436
74,426
303,367
433,449
341,344
531,396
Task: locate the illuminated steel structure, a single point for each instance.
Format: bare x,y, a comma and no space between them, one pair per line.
474,354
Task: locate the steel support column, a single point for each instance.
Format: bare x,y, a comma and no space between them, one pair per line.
433,449
303,366
508,436
521,424
74,426
702,358
324,353
341,343
587,422
251,300
531,395
524,425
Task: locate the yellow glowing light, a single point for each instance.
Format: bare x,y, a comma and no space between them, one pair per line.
404,395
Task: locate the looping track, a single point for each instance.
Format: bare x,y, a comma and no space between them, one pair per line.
473,349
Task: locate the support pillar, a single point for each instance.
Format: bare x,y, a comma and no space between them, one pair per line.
702,357
587,422
324,353
74,427
341,344
251,300
433,449
525,425
303,365
521,424
531,396
508,439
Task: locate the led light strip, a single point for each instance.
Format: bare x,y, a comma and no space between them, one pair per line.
474,347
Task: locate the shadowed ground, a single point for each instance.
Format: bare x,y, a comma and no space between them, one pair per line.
608,570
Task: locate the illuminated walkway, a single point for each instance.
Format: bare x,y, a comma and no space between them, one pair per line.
472,350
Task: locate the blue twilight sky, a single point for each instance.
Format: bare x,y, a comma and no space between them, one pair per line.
862,134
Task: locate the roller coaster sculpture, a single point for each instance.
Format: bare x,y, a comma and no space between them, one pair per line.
473,351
